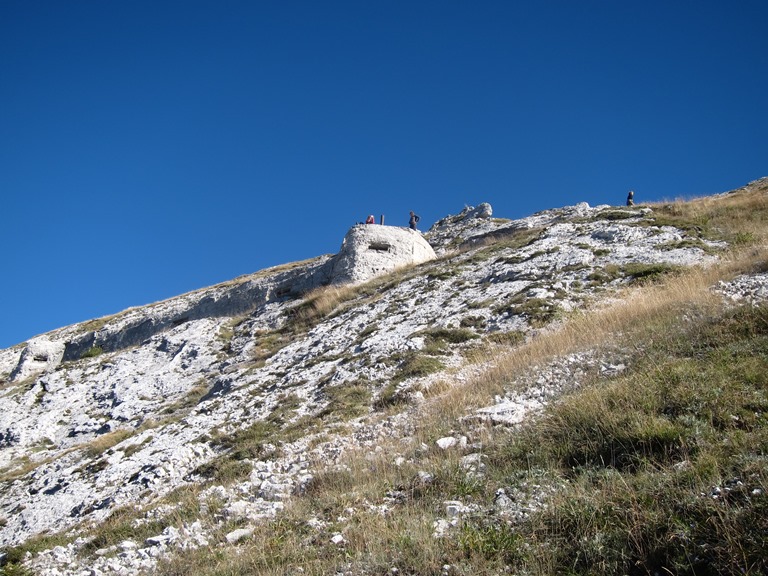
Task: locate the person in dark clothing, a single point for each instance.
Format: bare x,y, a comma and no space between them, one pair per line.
414,220
631,198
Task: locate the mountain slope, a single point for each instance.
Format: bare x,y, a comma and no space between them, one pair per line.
194,420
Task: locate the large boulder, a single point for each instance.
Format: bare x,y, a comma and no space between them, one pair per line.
40,355
369,250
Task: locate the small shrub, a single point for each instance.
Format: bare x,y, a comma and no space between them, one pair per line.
133,448
270,343
537,311
450,335
285,409
640,272
744,238
438,340
92,352
225,335
224,469
473,322
411,365
491,541
388,396
246,442
475,304
417,365
347,400
444,274
512,338
648,272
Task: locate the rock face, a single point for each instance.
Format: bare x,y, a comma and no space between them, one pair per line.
369,250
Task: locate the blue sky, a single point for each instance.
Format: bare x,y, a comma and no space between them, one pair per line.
150,148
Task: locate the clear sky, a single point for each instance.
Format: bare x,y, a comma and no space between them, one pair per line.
150,148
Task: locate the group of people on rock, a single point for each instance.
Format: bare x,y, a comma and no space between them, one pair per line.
414,218
412,222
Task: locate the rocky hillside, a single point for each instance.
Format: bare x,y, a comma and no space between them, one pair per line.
242,393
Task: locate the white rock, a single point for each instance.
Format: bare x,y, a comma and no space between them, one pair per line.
370,250
483,210
440,528
40,355
447,442
238,509
425,477
127,545
453,508
239,534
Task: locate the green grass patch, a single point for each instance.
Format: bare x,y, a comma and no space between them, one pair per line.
269,343
665,468
285,410
642,272
617,214
537,311
246,442
347,400
412,364
417,365
92,352
475,322
634,272
506,241
190,399
512,338
367,331
439,340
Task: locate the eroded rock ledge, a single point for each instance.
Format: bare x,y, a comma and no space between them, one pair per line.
367,251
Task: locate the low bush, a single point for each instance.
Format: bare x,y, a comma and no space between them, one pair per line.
92,352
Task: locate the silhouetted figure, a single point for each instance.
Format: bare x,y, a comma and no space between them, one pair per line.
631,198
414,220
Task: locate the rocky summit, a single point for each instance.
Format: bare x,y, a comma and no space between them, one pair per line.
120,413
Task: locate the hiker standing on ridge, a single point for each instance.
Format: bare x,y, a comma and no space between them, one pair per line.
414,220
631,198
370,219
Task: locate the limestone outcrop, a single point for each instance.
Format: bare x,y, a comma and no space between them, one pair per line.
40,355
367,251
372,249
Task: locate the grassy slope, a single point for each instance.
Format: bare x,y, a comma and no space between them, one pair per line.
659,470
